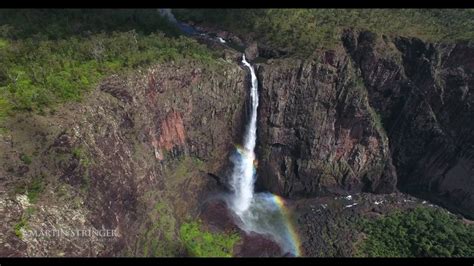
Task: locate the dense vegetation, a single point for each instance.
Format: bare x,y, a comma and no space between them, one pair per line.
302,30
422,232
63,23
200,243
53,56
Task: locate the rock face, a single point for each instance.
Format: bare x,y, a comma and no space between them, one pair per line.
368,116
171,134
164,142
251,52
318,133
424,93
134,157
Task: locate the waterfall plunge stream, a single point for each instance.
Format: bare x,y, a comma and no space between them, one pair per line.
262,213
243,176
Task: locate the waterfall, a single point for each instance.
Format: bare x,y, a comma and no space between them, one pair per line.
166,12
263,213
243,176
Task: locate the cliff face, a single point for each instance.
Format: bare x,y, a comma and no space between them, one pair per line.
369,115
135,156
426,105
318,133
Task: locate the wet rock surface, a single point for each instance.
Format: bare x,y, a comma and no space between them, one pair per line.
255,245
218,218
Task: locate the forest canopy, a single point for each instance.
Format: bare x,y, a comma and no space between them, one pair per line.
300,31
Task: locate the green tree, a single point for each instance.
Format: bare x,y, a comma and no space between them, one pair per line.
421,232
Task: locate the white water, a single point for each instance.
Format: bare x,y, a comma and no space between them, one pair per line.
166,12
257,212
243,176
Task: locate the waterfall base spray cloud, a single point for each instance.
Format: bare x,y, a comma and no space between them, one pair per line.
263,213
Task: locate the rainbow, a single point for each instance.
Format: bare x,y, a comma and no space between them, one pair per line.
240,149
293,236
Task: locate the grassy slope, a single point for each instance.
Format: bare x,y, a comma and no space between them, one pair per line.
52,56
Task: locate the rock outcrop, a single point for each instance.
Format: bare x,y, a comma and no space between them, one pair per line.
251,52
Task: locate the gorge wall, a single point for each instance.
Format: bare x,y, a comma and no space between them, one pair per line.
146,149
374,114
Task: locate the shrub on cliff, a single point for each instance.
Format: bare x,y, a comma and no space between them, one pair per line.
200,243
